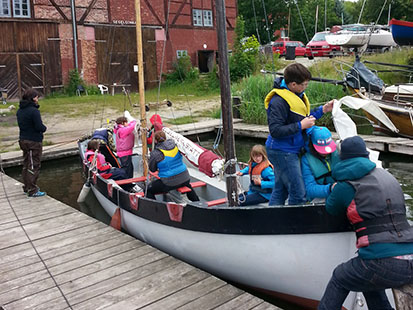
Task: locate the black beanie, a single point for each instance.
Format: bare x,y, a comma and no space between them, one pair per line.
353,147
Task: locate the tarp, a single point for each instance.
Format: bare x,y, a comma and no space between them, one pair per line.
361,76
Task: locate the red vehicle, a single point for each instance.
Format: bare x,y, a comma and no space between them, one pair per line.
319,47
280,47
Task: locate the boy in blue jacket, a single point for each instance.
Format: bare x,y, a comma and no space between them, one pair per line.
288,114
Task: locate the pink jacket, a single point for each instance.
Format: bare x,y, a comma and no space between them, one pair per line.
125,139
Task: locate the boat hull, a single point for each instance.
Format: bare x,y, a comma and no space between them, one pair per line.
400,115
294,267
402,32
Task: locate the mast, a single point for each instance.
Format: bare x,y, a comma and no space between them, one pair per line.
225,84
141,84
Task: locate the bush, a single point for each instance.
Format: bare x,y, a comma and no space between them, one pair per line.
74,81
183,70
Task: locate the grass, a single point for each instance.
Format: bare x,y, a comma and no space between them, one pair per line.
76,106
182,120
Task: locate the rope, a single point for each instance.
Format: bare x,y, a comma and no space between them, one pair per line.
256,24
268,34
27,235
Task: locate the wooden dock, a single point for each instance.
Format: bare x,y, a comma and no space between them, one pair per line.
55,257
379,143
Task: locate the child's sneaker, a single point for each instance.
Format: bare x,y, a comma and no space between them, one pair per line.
38,194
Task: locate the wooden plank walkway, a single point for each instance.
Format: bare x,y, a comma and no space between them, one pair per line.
380,143
55,257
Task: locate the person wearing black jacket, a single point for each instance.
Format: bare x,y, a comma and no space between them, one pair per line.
30,140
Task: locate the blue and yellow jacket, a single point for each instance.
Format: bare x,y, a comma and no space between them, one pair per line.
285,110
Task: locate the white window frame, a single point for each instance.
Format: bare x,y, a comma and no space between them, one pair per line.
181,53
5,4
18,5
207,15
197,17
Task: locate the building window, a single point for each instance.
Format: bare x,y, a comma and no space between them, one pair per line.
19,8
197,17
202,18
181,53
4,8
208,18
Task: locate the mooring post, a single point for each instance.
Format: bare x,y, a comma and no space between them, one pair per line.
403,297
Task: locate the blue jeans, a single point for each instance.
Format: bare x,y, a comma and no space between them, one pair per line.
251,199
370,276
288,178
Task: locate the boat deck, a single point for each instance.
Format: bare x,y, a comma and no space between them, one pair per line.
55,257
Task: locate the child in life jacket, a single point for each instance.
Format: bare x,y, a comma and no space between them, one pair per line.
261,175
103,167
125,140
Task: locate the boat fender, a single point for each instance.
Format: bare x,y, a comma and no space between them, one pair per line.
83,193
116,221
175,211
134,200
110,189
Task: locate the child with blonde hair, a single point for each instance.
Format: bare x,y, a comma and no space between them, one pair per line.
262,177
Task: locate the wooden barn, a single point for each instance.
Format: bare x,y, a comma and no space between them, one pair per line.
37,48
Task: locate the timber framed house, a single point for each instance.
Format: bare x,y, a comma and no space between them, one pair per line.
37,40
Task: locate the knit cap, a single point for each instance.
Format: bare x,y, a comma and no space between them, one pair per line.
353,147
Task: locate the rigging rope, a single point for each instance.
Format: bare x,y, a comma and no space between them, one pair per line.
256,24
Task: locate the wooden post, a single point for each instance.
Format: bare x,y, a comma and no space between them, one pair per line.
403,297
141,83
225,84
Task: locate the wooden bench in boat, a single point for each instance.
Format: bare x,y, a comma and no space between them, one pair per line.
132,180
217,202
185,189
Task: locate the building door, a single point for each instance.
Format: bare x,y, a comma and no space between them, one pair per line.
205,61
20,71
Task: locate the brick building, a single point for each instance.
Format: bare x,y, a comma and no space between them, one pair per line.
37,46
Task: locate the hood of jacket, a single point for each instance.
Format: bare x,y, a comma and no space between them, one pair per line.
352,169
278,82
28,103
167,145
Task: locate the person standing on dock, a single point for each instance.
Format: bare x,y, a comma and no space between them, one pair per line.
288,114
374,203
30,140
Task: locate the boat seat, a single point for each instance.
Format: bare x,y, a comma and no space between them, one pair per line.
217,202
132,180
185,189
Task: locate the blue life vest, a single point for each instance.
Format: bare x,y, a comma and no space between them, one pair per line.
322,170
172,163
101,133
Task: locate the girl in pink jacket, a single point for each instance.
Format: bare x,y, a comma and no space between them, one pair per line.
125,140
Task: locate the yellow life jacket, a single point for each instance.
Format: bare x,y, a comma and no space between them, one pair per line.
297,105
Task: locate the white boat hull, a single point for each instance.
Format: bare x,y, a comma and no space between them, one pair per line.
295,265
379,38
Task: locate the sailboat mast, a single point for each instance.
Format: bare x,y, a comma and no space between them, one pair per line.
141,84
225,84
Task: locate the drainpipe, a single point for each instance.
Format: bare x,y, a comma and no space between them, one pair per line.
74,27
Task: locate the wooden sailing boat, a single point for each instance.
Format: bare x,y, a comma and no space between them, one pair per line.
288,252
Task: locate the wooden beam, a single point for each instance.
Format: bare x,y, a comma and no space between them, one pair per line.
89,8
153,12
403,297
59,10
178,12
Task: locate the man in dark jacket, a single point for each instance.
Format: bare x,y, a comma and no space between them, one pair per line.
30,140
374,203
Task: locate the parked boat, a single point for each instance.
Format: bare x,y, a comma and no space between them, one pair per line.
397,104
402,31
358,35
